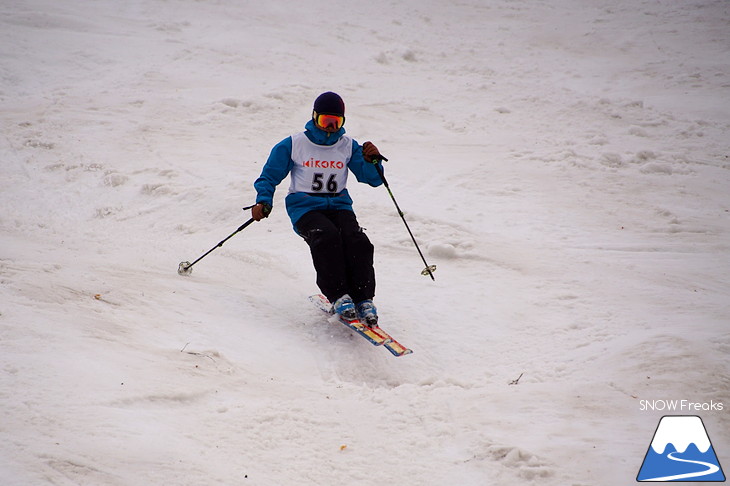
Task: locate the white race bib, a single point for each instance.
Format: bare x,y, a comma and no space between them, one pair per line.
319,168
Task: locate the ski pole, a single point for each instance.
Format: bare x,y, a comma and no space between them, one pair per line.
186,268
428,271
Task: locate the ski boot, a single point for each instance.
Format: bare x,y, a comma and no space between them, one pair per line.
345,307
367,312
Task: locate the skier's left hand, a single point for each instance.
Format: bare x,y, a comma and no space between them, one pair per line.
371,153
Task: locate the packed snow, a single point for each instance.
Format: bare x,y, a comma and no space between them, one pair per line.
564,163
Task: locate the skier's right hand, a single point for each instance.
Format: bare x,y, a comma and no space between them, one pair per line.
260,211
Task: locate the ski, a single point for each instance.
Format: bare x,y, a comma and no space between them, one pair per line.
363,330
375,334
395,348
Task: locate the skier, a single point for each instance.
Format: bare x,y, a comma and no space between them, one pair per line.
320,207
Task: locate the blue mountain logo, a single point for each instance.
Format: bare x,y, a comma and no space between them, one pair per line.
681,451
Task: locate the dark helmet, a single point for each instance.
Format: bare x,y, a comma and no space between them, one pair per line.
329,103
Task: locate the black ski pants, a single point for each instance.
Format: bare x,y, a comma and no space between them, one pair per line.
341,252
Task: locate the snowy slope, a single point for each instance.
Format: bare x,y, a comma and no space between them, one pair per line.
565,164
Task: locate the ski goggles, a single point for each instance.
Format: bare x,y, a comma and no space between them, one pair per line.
326,120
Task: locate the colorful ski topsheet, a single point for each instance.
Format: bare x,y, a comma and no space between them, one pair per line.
396,348
375,334
368,333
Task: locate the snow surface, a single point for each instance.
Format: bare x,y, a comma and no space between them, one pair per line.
564,163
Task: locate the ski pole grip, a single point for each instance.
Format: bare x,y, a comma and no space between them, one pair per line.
266,208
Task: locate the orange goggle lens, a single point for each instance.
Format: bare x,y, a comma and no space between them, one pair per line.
327,121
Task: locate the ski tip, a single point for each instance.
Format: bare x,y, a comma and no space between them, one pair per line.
399,353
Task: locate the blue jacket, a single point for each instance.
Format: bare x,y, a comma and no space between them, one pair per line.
280,163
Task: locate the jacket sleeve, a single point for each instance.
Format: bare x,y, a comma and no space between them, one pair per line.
364,171
277,167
